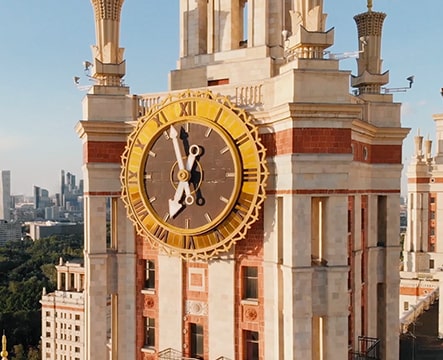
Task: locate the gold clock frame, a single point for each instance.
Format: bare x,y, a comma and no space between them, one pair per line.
215,111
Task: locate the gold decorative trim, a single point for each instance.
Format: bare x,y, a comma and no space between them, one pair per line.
249,190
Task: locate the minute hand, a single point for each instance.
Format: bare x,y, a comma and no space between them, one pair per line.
173,134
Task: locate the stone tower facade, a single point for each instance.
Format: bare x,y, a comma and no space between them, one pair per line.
317,276
421,278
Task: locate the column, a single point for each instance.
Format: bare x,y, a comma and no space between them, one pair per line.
96,273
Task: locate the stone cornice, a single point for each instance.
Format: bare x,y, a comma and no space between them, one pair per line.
371,134
103,130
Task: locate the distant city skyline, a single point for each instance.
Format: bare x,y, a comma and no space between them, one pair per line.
57,188
40,105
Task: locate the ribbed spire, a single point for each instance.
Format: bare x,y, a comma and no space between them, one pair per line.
309,14
308,39
370,78
109,65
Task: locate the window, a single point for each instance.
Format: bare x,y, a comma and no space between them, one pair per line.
251,345
406,306
149,331
382,218
250,282
196,341
77,317
149,275
318,230
431,263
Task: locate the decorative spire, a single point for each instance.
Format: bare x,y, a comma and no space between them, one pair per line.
418,140
309,14
428,150
109,65
308,38
4,353
370,78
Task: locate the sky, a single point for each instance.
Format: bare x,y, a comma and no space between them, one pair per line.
45,42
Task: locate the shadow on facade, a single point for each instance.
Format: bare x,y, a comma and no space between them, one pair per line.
421,341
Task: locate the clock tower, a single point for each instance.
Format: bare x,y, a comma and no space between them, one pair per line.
251,211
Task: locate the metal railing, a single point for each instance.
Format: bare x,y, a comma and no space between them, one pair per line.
368,349
171,354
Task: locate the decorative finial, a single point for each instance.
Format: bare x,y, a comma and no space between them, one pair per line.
4,353
369,5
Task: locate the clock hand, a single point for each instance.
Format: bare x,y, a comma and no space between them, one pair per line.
194,151
174,204
173,135
183,173
183,185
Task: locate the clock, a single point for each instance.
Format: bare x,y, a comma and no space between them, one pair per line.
194,174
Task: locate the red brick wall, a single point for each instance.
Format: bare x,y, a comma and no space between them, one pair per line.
250,317
432,243
103,151
329,141
351,264
308,140
364,265
415,291
146,304
188,294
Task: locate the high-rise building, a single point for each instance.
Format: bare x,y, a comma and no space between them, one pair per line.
62,188
5,195
69,197
37,197
9,231
63,314
212,271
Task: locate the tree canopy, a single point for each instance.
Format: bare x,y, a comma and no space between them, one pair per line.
26,267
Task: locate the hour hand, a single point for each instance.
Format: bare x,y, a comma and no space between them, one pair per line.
174,204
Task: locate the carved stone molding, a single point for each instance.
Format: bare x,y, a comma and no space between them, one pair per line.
149,302
198,308
250,313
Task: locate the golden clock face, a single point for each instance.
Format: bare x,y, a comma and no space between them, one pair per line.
193,175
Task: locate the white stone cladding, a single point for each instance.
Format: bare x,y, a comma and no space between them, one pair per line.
170,303
221,279
109,260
